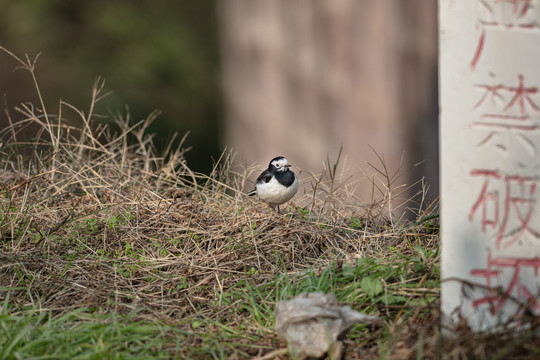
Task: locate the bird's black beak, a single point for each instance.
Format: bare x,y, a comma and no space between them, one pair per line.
288,165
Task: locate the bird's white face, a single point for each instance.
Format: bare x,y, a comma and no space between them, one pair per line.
280,164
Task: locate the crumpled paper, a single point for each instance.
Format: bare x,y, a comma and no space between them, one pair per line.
312,324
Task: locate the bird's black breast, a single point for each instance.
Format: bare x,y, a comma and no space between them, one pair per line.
286,178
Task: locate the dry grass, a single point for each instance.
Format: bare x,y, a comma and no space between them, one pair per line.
95,219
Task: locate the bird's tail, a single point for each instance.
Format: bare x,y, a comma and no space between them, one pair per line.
252,193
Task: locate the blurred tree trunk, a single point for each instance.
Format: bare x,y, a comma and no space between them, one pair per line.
303,77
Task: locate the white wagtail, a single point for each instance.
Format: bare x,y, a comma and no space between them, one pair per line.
277,184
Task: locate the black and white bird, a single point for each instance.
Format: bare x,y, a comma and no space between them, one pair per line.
277,184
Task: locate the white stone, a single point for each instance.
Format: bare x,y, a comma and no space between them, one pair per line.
490,160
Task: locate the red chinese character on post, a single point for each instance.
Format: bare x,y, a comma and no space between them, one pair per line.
515,290
508,112
509,213
502,14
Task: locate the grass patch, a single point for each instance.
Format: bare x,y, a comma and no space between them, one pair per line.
109,249
79,334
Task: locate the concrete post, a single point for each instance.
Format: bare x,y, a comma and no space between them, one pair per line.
490,163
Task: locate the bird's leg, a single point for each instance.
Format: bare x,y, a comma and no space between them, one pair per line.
278,211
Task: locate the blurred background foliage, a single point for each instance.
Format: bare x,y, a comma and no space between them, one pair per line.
160,55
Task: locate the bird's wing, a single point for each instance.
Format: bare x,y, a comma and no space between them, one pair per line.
266,176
